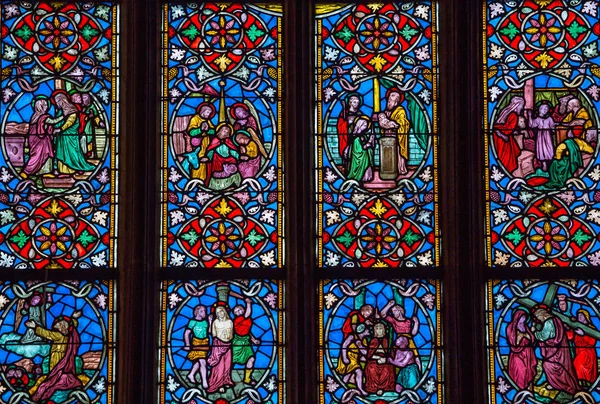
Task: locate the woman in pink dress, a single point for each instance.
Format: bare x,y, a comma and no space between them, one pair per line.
40,138
521,360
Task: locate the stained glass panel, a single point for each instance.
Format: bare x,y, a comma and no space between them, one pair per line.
58,126
380,342
541,117
542,341
222,342
376,127
57,342
222,169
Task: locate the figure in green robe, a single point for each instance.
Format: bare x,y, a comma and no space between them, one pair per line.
68,148
567,160
361,152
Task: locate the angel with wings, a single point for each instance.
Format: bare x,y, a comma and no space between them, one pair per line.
248,137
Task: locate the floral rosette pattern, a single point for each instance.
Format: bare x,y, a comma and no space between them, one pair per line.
58,134
366,326
375,135
222,176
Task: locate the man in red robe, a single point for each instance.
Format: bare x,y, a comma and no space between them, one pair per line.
345,126
505,128
586,359
380,375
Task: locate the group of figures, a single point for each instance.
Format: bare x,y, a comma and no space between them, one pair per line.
357,138
374,349
547,346
378,353
53,342
230,343
223,156
223,346
548,145
60,144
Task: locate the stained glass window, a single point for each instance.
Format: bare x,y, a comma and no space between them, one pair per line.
57,342
540,123
376,182
58,160
542,341
376,128
222,169
541,119
58,200
222,342
380,341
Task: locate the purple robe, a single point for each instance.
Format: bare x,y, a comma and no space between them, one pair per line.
544,148
63,376
40,146
556,360
521,360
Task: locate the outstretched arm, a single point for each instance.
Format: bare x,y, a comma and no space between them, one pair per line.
248,312
416,324
387,307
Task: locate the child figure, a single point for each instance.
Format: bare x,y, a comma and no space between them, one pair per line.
544,146
249,157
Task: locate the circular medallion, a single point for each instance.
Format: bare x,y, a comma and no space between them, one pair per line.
378,238
53,238
543,30
57,32
547,238
222,238
376,33
223,31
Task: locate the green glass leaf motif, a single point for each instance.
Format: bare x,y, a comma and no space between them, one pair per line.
575,29
24,33
510,31
85,238
515,236
410,237
345,34
191,32
408,32
254,238
191,237
346,239
580,238
88,32
20,239
254,33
